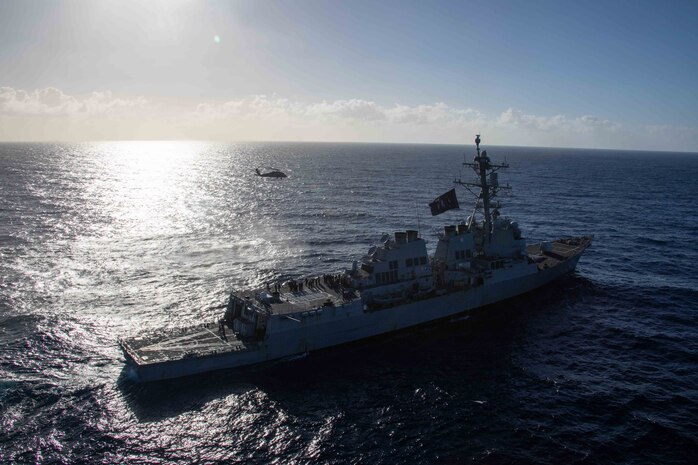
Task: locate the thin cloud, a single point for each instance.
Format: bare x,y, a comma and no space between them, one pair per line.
583,124
357,110
53,102
51,114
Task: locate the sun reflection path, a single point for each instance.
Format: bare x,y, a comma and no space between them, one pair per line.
148,184
181,222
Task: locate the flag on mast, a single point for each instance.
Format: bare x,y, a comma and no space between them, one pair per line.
444,202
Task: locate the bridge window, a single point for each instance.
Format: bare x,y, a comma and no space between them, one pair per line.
463,254
408,262
386,277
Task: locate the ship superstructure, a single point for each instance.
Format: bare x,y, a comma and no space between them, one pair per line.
475,250
397,285
397,269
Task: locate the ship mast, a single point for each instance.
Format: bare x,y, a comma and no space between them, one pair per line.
489,187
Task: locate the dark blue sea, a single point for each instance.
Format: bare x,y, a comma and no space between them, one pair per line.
103,240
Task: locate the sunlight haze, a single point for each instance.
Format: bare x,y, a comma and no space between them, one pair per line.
548,73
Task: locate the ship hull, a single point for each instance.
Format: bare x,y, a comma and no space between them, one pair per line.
351,322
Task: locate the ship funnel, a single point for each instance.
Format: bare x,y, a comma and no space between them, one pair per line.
400,237
449,230
412,235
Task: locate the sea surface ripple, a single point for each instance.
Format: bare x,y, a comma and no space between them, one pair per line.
102,240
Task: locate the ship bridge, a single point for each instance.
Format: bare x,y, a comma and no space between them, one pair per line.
397,269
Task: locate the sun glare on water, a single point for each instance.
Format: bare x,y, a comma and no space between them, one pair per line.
147,184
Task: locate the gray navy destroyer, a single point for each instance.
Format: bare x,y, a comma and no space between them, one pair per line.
397,285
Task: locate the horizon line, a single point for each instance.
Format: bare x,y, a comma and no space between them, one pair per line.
222,141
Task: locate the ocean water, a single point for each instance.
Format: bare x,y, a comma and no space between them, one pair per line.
104,240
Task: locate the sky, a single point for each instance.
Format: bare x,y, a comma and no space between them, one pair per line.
608,74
